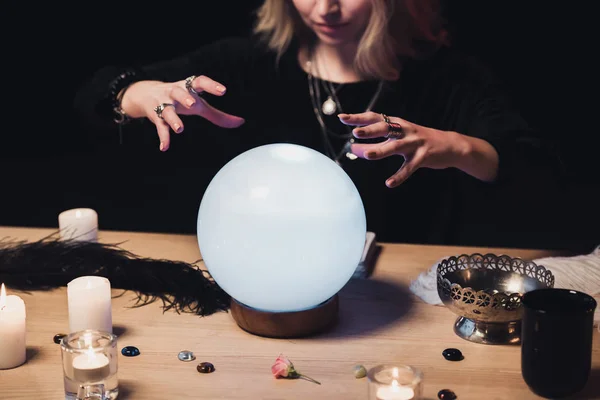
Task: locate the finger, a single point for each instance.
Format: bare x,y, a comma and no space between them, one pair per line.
219,117
361,119
183,97
405,171
377,151
378,129
169,115
205,84
162,128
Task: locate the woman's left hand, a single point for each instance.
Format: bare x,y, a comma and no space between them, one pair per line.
419,145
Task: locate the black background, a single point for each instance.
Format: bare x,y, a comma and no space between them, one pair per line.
544,53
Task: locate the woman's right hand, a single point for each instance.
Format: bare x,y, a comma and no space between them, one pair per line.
141,99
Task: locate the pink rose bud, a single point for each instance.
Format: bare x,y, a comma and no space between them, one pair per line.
283,368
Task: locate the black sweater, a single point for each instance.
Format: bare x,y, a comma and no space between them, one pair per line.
447,91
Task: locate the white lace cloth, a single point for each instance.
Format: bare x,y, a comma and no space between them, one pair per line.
580,273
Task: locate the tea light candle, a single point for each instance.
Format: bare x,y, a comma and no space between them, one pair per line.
90,367
395,392
12,330
89,302
389,382
79,224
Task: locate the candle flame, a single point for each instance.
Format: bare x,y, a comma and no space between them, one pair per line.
395,383
395,373
91,353
87,340
2,297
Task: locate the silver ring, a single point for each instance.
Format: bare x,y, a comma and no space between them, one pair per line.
188,85
395,131
160,108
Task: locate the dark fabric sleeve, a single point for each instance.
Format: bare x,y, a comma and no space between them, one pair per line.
511,210
488,112
495,120
229,61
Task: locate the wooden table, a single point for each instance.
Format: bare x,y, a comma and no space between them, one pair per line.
380,322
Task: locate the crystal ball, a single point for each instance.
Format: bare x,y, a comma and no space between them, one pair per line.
281,228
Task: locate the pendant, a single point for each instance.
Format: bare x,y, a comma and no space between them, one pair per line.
348,149
329,107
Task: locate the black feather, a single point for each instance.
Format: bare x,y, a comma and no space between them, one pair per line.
50,263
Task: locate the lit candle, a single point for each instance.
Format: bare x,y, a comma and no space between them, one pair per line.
395,392
90,367
12,330
89,301
79,224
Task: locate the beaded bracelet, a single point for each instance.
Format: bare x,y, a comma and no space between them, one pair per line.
115,96
117,88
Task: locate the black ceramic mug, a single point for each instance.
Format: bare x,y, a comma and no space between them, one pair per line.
556,341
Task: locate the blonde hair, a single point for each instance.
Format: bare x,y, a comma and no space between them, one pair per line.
396,28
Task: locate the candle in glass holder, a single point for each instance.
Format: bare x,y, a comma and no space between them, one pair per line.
89,301
13,350
91,366
79,224
89,360
389,382
394,392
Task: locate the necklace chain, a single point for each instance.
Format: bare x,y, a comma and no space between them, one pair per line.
315,95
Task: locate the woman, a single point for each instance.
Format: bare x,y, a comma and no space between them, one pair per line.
371,83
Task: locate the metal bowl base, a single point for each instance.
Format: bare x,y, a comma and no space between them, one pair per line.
488,332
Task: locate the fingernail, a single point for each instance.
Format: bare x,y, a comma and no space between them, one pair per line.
161,147
358,132
221,88
390,182
370,154
190,102
343,115
177,128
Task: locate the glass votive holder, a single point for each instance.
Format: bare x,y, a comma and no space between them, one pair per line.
90,364
395,382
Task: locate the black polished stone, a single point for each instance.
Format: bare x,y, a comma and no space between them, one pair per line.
58,337
130,351
446,394
453,354
205,368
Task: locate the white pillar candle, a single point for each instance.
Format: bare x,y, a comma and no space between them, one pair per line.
90,367
395,392
89,301
78,224
13,350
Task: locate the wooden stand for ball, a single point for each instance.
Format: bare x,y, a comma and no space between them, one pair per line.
286,324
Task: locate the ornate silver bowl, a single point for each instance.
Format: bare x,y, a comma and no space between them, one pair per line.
485,291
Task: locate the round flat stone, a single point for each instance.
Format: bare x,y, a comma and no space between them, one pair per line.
205,368
130,351
186,355
446,394
453,354
360,371
58,337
